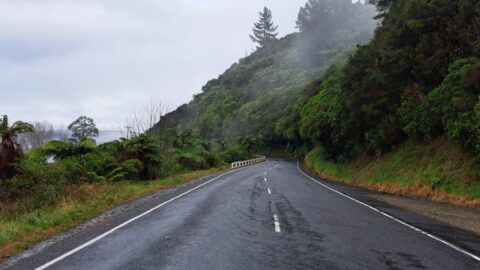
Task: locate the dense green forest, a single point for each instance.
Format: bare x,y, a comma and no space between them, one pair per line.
262,94
40,176
416,80
61,183
383,94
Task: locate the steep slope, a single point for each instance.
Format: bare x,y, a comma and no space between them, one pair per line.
417,80
405,106
439,171
260,95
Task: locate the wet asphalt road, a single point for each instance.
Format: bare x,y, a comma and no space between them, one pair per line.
229,223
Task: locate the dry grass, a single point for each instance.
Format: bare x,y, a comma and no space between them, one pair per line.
79,203
460,217
417,191
439,171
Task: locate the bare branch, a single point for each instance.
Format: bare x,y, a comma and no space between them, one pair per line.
139,121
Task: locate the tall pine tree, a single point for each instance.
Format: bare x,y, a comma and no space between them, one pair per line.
264,30
325,15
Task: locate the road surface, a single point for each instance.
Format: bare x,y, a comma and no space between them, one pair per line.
267,216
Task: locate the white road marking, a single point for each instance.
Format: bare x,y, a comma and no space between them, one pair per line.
265,179
89,243
277,223
459,249
269,191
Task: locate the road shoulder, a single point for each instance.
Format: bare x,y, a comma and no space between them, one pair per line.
431,217
59,244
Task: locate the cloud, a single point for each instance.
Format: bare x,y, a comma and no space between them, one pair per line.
64,58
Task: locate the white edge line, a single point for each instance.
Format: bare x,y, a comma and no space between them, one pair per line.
453,246
75,250
269,191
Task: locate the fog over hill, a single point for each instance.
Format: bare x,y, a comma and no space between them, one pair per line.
65,58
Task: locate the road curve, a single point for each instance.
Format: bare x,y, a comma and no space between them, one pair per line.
268,216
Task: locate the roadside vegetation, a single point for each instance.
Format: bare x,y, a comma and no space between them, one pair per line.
407,104
61,183
402,100
439,171
20,227
390,104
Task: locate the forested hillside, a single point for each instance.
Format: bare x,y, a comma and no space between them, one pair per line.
417,80
405,106
262,94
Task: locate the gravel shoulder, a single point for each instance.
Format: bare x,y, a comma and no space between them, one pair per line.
461,217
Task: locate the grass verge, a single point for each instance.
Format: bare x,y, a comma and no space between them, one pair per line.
438,171
79,204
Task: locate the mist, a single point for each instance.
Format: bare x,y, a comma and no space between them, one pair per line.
329,27
63,59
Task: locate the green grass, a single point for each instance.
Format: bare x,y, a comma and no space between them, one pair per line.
439,165
316,163
79,205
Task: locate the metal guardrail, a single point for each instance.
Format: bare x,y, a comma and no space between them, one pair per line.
244,163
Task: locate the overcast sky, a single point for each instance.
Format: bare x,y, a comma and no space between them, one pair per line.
60,59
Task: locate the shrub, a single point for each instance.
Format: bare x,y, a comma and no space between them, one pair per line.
38,180
233,154
46,195
191,161
453,107
132,169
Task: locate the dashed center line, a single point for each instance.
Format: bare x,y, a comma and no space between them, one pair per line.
277,223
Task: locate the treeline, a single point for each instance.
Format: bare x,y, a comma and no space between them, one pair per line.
40,176
418,78
326,24
261,95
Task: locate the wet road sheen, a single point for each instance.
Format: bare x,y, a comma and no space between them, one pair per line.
268,216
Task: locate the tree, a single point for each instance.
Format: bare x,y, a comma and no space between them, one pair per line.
325,17
83,128
252,143
10,148
125,149
264,31
324,24
44,133
60,150
142,120
303,18
144,148
383,6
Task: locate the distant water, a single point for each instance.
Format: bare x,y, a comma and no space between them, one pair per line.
108,135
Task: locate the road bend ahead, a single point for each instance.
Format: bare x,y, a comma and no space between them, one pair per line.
268,216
